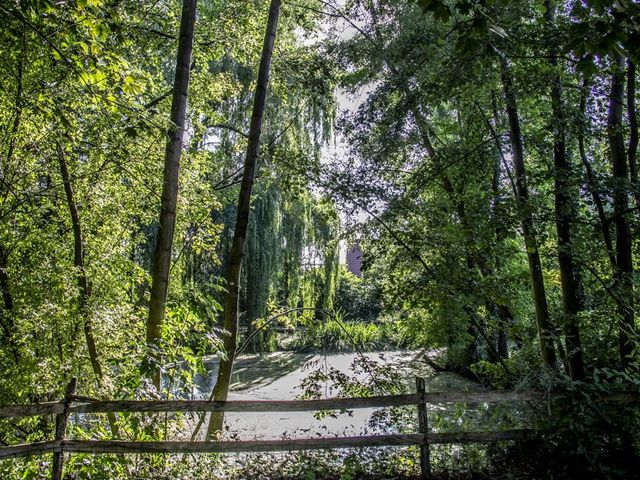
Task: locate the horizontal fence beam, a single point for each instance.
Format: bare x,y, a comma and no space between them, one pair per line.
84,405
243,446
38,448
36,409
254,446
482,397
300,405
477,437
245,405
248,446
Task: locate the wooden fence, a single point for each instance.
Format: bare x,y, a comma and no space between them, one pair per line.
75,404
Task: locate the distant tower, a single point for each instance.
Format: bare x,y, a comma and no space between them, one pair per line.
354,259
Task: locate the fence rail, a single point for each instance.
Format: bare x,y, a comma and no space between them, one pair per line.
76,404
87,405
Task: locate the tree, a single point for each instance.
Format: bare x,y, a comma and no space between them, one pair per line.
545,331
83,281
624,258
164,244
221,388
565,212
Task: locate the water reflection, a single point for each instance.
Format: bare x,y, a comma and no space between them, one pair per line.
277,376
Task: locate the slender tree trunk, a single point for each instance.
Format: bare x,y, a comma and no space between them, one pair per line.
632,114
6,311
173,152
474,259
221,388
624,259
594,187
545,332
565,212
6,315
7,298
78,262
503,314
83,282
506,316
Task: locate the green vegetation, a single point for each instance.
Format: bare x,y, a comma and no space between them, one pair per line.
179,180
340,336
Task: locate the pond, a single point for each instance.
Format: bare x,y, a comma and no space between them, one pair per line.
278,375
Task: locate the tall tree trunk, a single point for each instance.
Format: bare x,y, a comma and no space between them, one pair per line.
545,332
594,187
82,280
503,313
473,258
173,152
632,114
6,310
624,271
6,315
564,212
221,388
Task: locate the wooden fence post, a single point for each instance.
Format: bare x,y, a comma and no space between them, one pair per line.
61,431
423,426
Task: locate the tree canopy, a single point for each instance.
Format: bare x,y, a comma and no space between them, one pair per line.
175,176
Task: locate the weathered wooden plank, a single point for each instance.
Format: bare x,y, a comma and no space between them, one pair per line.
36,409
477,437
245,405
247,446
107,446
300,405
39,448
88,406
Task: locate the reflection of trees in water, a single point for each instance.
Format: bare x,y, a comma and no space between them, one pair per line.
252,371
274,375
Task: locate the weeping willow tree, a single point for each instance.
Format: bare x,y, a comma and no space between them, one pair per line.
310,254
327,227
262,259
292,258
295,221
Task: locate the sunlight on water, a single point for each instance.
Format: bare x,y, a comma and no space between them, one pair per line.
278,375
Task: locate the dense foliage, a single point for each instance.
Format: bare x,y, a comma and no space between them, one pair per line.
454,103
489,167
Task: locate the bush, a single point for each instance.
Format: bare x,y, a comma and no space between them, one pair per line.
334,335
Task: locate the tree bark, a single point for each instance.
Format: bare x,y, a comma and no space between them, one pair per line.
545,332
474,261
221,388
83,282
7,315
594,187
632,115
173,153
503,314
564,213
624,259
6,311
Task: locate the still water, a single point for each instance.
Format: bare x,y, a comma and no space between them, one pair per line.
278,375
